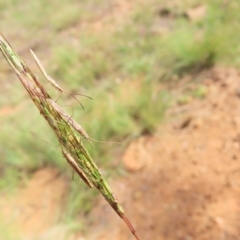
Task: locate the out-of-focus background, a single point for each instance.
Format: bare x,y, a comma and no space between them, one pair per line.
164,78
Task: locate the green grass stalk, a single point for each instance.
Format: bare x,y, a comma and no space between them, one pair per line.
69,139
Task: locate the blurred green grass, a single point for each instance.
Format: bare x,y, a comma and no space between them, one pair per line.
120,64
8,230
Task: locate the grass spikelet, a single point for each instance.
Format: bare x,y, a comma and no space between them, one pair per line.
65,130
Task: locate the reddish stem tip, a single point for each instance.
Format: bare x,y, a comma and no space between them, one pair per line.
125,219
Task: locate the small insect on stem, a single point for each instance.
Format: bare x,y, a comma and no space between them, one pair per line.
69,119
52,81
75,166
73,123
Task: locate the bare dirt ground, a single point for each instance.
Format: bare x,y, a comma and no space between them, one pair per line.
34,210
183,182
186,179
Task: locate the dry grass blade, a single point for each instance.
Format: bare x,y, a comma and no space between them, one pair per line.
51,80
65,130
